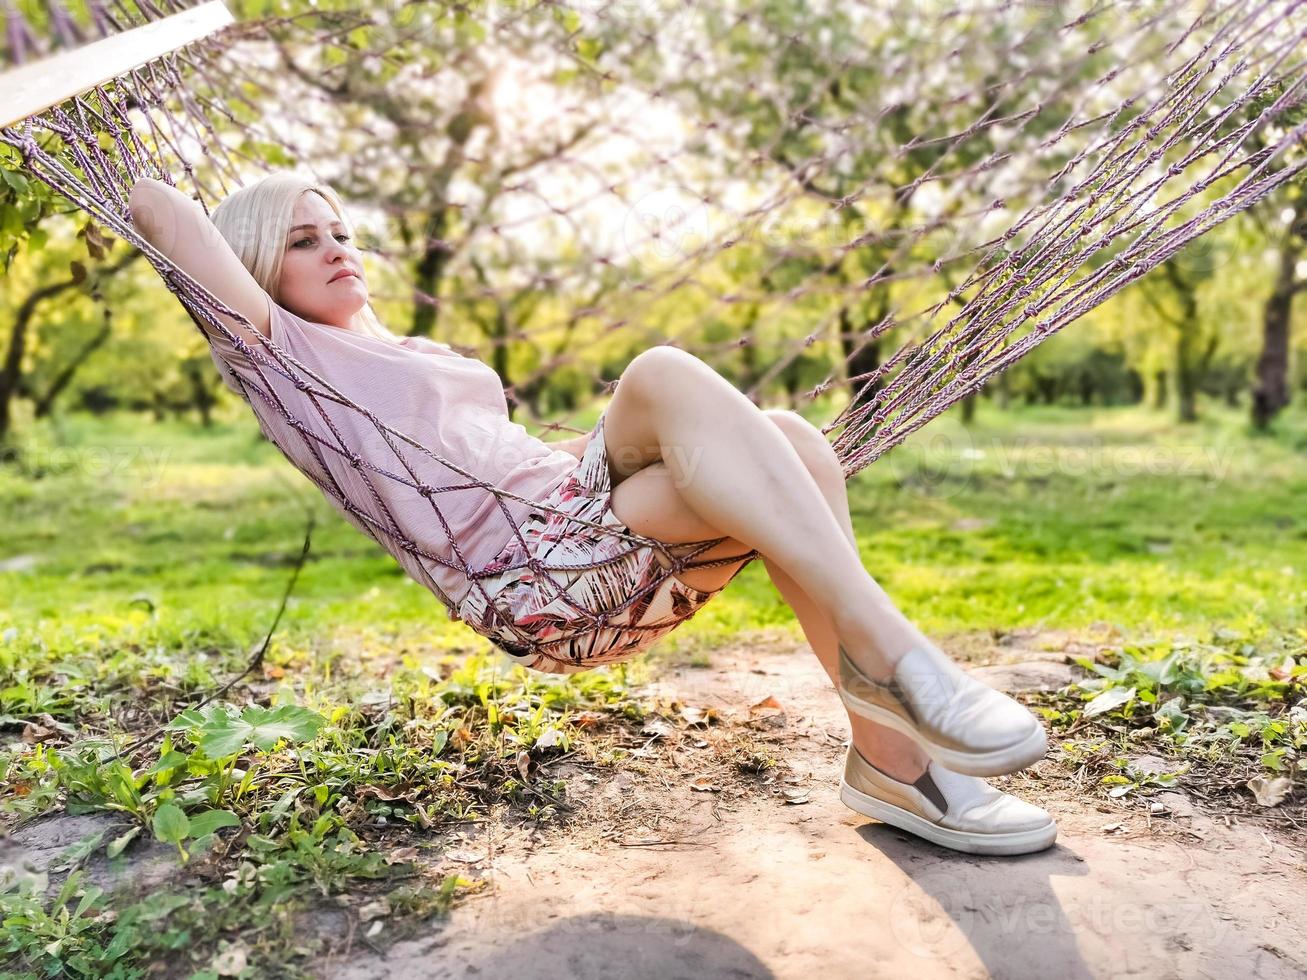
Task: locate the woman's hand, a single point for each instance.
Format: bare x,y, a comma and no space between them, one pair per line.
574,446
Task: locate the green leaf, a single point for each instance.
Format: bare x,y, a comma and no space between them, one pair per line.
1170,716
189,719
15,180
117,845
170,824
80,851
203,824
223,735
1112,698
170,761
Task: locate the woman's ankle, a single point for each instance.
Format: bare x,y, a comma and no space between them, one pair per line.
905,766
862,648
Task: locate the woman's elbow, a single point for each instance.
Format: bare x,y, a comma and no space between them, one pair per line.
152,207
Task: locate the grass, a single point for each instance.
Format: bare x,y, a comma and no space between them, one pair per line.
143,562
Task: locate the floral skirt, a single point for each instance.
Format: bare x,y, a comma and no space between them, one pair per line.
570,596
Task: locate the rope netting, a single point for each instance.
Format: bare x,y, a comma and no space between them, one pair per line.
780,191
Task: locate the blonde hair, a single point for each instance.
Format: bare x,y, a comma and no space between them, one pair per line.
254,219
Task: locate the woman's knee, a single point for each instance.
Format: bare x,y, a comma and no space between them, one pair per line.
809,442
656,372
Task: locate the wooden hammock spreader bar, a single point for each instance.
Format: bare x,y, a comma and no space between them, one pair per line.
35,87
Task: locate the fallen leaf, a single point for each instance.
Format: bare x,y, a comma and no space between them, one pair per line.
402,855
34,734
1269,790
699,716
387,794
768,713
49,721
230,962
524,765
464,856
658,727
375,701
1113,697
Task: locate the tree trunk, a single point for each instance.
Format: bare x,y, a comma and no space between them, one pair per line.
1185,380
1189,366
45,403
1271,385
202,398
11,371
430,270
864,358
1159,389
1232,394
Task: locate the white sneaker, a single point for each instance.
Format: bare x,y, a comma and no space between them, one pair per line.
962,724
948,808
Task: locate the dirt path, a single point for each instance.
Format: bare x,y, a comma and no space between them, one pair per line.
747,883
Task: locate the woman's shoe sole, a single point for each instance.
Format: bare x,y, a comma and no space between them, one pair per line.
999,762
1017,842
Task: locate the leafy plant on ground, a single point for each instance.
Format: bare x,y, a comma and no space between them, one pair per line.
1232,700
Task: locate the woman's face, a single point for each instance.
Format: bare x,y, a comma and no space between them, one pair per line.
321,271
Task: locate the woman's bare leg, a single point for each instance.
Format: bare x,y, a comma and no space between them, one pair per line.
885,748
740,474
650,504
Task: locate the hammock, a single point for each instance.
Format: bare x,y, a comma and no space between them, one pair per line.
162,82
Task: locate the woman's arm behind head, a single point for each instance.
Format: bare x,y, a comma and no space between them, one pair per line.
179,228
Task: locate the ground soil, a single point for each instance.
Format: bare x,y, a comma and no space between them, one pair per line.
771,876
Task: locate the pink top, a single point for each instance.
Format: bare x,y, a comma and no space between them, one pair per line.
453,406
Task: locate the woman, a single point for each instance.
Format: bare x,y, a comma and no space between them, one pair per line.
679,457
